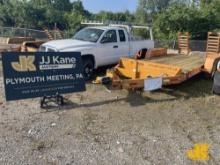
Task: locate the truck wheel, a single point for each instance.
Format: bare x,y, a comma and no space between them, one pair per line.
141,54
88,68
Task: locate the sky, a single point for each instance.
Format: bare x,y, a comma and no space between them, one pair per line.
110,5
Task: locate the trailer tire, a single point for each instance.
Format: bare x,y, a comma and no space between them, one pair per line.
216,83
216,66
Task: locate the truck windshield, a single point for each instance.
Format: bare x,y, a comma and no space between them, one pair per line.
88,34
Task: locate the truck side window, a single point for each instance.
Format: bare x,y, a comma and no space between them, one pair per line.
109,37
122,36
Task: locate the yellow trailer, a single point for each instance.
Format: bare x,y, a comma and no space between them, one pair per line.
12,43
171,68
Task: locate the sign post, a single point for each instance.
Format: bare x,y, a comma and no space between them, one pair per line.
41,74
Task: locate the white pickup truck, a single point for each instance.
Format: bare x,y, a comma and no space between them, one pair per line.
99,46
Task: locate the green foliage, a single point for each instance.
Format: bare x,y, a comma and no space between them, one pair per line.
120,16
153,6
197,21
166,16
34,13
75,16
46,13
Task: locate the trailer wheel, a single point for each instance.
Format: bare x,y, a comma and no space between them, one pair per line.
216,66
216,83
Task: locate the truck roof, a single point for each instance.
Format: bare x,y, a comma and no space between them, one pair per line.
106,27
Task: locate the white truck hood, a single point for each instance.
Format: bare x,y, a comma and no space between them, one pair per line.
67,44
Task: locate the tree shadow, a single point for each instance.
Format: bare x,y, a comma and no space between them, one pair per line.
70,105
198,86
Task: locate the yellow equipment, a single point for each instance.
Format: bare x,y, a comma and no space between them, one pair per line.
173,68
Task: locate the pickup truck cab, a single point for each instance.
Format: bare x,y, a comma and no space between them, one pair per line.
99,46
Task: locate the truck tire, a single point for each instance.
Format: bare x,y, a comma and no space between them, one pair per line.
141,54
88,68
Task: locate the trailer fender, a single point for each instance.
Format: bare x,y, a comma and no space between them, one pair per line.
211,61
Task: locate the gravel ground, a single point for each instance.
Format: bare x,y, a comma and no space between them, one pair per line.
103,127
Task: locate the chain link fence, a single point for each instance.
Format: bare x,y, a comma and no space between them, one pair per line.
37,34
22,32
195,45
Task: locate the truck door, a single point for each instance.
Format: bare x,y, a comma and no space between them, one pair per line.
108,49
123,45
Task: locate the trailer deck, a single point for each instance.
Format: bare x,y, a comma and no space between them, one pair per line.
172,68
186,62
171,65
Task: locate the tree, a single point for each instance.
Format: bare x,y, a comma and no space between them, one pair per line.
119,16
6,18
184,18
166,16
152,6
62,5
76,16
141,12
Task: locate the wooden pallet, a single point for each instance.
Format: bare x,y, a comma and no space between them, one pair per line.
49,35
212,51
213,42
183,43
57,34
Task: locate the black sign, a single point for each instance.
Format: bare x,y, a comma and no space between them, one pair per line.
30,75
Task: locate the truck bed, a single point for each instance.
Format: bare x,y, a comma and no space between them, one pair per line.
185,62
